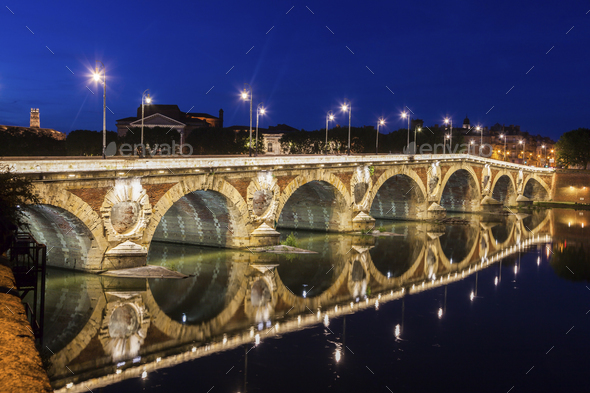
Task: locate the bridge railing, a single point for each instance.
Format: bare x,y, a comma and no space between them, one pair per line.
168,164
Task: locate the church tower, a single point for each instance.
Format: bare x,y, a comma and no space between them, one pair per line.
35,122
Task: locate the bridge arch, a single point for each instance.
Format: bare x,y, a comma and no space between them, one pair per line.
535,188
71,229
460,189
225,215
399,194
315,200
504,188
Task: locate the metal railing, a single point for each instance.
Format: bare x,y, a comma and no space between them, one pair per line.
28,259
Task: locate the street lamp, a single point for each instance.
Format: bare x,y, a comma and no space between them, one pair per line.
97,72
445,143
148,100
247,96
544,148
504,137
473,147
379,123
348,107
450,136
523,150
259,111
404,115
329,117
416,142
478,128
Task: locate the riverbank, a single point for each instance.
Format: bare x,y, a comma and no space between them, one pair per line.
21,369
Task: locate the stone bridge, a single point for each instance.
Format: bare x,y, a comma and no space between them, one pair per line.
104,214
248,298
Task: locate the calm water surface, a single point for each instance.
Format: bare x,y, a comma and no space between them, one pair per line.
499,303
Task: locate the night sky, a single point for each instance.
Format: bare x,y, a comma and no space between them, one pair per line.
438,58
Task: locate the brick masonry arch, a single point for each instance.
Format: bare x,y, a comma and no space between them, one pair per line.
403,171
476,195
341,218
541,182
54,195
236,206
502,175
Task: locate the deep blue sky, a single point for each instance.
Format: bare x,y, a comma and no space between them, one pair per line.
438,57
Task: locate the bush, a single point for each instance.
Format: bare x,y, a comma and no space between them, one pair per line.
291,240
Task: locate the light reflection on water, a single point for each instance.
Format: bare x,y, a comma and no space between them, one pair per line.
113,329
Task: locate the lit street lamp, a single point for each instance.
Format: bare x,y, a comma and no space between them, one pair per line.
348,107
379,123
478,128
504,137
404,115
97,72
148,100
247,96
473,147
545,149
329,117
450,136
523,150
415,141
259,111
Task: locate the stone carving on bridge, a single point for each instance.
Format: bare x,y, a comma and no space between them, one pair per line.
360,183
126,210
433,180
263,198
520,182
124,326
486,176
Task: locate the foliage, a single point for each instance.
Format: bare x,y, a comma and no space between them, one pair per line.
223,141
87,143
573,148
291,240
19,141
15,193
381,229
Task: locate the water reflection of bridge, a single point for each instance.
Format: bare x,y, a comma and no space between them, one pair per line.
116,329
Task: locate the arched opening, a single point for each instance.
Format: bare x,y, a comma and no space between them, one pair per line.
316,206
399,198
67,238
504,191
535,191
458,241
460,192
502,231
532,221
206,218
393,256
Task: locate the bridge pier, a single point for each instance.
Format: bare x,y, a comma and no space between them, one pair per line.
490,205
264,235
436,212
363,222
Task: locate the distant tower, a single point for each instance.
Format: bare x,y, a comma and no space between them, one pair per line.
35,122
221,118
466,123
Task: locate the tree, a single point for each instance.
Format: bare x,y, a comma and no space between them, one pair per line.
87,143
21,141
15,193
573,148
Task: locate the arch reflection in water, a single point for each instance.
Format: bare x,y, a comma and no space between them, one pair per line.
237,297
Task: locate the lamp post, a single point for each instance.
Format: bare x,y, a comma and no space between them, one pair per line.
97,71
473,147
523,150
329,117
379,123
259,111
415,141
404,115
545,149
504,137
445,143
348,107
450,136
148,100
478,128
247,96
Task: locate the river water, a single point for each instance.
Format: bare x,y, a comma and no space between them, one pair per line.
487,305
